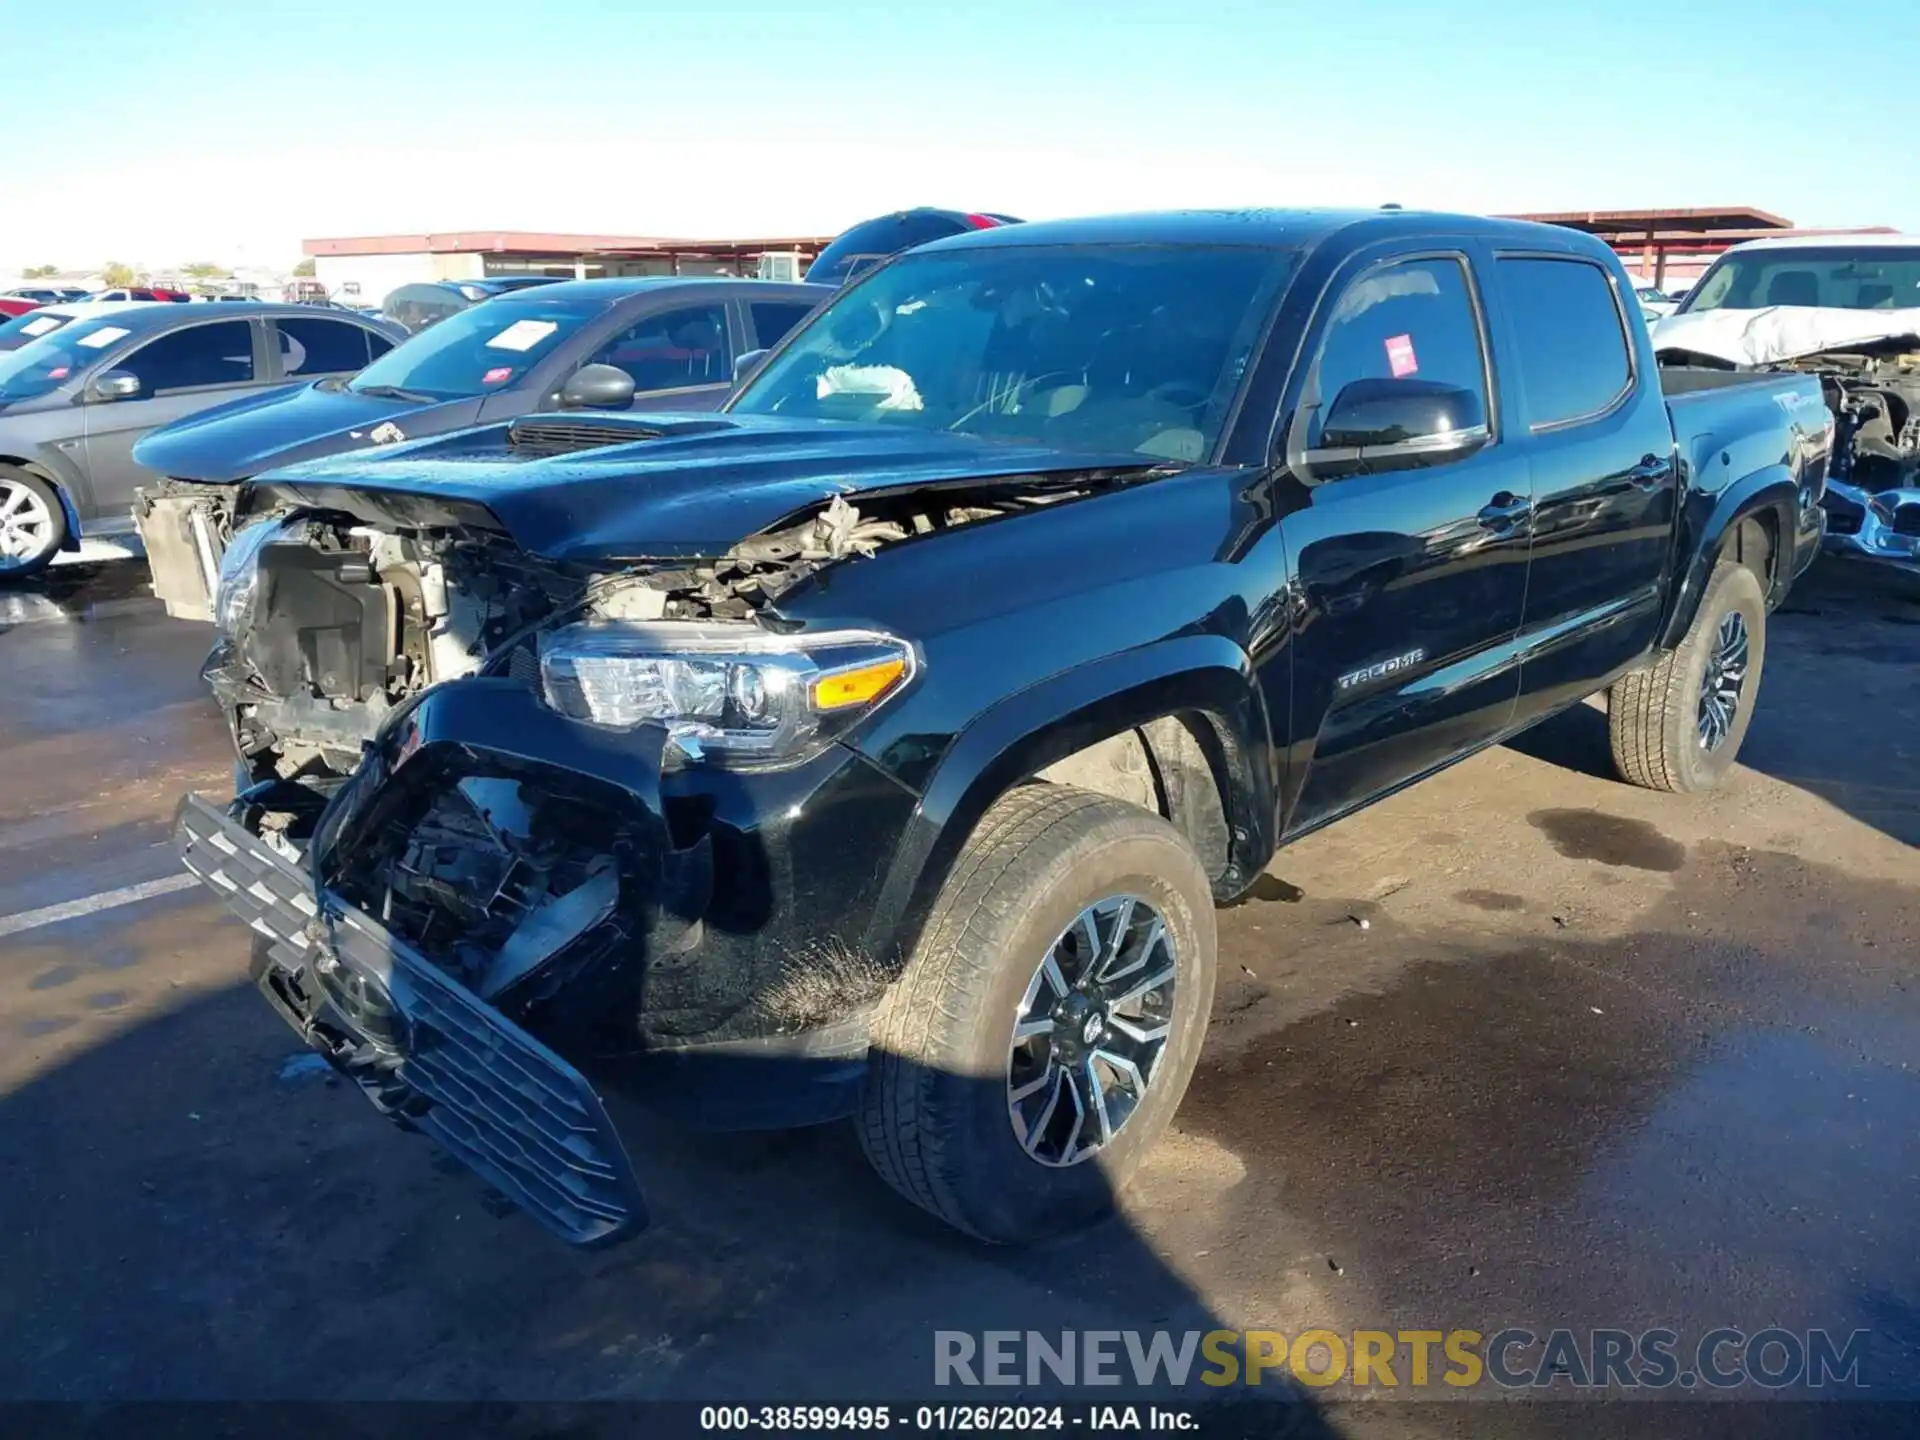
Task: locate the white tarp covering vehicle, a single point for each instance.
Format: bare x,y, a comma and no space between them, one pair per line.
1846,308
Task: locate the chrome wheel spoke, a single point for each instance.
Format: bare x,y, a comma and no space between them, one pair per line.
15,497
1155,932
1030,1029
1090,939
1091,1093
1142,1031
1110,954
1056,1081
1048,1076
1145,985
1051,973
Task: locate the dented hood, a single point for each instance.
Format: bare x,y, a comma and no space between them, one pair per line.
687,485
1782,332
281,427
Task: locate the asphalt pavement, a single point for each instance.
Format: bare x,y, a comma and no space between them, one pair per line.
1520,1047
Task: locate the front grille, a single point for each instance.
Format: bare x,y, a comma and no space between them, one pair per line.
517,1114
1906,518
541,436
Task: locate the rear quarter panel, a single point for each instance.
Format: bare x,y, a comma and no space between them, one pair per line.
1754,449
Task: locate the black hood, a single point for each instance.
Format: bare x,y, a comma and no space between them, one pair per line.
285,426
693,485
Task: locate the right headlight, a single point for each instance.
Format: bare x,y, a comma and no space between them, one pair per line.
240,575
734,693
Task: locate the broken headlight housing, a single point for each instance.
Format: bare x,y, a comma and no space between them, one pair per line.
737,694
240,576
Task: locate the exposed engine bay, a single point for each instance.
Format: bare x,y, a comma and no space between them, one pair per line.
327,623
1875,400
1873,479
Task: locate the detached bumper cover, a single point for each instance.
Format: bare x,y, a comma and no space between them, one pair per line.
518,1115
1883,527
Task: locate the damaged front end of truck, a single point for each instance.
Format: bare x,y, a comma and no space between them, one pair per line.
522,822
1868,365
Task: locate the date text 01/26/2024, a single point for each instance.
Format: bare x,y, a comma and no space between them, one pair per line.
947,1419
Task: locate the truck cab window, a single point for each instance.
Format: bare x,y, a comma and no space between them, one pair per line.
1414,320
772,319
673,350
321,347
1572,342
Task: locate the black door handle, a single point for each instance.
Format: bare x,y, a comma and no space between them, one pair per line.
1505,511
1650,473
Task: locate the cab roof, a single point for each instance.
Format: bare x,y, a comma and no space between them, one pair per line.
1277,229
616,287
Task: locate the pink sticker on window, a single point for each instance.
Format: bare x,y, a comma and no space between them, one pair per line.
1400,355
59,372
497,374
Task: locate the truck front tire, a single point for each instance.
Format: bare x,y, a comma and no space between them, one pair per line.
1676,724
1046,1026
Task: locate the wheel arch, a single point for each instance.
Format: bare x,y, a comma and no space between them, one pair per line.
61,478
1190,706
1761,504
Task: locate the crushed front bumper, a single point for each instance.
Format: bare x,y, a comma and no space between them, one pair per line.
1883,527
425,1049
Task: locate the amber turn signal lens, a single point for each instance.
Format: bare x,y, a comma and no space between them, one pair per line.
858,686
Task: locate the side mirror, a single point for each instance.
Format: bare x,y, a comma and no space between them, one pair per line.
115,385
745,365
1388,424
597,387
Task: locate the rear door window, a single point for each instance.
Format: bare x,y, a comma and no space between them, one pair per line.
1413,319
1571,340
673,350
321,347
772,319
195,357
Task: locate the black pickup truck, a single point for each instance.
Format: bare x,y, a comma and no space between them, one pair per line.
881,745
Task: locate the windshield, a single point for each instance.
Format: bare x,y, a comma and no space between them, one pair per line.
1836,277
47,362
27,328
476,351
1102,348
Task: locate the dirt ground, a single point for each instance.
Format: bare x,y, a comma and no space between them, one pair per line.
1520,1046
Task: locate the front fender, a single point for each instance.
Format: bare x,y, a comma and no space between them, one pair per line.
1204,674
1709,519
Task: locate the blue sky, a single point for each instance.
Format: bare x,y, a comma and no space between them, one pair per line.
168,132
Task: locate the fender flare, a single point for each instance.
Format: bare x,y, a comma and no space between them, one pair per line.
1769,489
1202,674
60,475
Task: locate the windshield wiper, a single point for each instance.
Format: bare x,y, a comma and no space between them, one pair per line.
391,392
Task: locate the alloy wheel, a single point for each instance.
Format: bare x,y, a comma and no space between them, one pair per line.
1090,1030
1723,682
26,524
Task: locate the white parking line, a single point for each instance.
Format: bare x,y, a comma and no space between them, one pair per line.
89,904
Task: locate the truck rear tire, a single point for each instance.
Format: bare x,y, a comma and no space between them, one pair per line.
1046,1026
1676,724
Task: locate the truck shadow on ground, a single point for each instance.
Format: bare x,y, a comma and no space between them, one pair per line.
1490,1132
1842,667
284,1243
